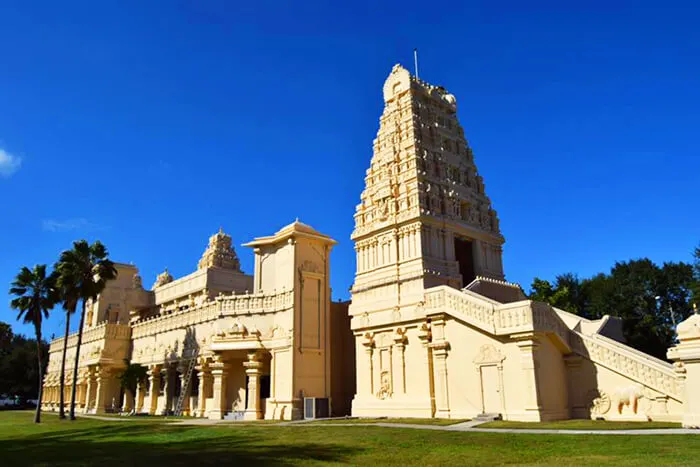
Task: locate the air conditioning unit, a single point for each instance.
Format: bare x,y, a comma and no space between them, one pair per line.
316,407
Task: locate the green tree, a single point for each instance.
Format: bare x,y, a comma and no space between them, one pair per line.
83,273
5,338
650,300
132,375
19,374
696,277
541,290
565,294
70,303
35,294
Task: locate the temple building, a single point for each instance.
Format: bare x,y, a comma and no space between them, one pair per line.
433,328
218,343
438,331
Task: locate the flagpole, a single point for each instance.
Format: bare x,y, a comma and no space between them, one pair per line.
415,61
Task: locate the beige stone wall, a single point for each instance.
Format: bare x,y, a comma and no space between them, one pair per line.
234,331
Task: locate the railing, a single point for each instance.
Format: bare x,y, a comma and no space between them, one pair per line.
636,365
473,310
224,305
511,318
101,331
527,316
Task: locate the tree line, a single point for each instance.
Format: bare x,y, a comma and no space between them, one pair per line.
80,274
18,370
649,299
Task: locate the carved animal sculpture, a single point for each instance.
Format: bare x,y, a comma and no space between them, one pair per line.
628,396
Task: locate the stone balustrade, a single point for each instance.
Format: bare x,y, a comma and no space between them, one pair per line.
223,305
636,365
471,309
527,316
101,331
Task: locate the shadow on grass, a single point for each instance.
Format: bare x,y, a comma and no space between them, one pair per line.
156,445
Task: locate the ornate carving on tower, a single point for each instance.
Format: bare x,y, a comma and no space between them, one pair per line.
423,214
163,278
219,253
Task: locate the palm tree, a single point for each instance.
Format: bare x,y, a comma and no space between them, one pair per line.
70,303
35,294
133,375
83,274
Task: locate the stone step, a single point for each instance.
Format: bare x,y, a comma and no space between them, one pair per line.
488,417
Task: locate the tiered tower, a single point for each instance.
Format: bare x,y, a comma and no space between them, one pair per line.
219,253
424,218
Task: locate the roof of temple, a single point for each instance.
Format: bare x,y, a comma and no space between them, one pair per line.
296,228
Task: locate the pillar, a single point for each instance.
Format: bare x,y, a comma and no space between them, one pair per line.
140,393
253,369
219,372
165,400
686,357
129,402
425,336
154,389
185,392
400,345
528,361
205,388
102,381
442,395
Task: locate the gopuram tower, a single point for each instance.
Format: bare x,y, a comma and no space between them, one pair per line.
424,219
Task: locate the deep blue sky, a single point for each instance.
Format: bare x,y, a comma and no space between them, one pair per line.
148,125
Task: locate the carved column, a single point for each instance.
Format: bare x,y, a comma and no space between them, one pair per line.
440,346
154,389
686,357
91,384
140,393
129,402
219,372
165,399
442,395
205,387
368,343
253,368
102,381
400,344
528,357
425,336
186,396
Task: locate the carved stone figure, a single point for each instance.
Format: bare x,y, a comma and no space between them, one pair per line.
384,385
600,402
163,278
628,396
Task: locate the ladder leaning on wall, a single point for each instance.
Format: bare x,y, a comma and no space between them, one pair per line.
184,390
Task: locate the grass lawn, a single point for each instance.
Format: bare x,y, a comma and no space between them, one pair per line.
580,425
106,443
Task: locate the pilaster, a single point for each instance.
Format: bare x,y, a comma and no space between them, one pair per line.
686,356
154,389
102,381
253,369
205,387
528,359
140,393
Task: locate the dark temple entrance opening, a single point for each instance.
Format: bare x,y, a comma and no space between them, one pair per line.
464,254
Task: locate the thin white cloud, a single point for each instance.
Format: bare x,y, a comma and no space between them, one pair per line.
9,164
80,223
